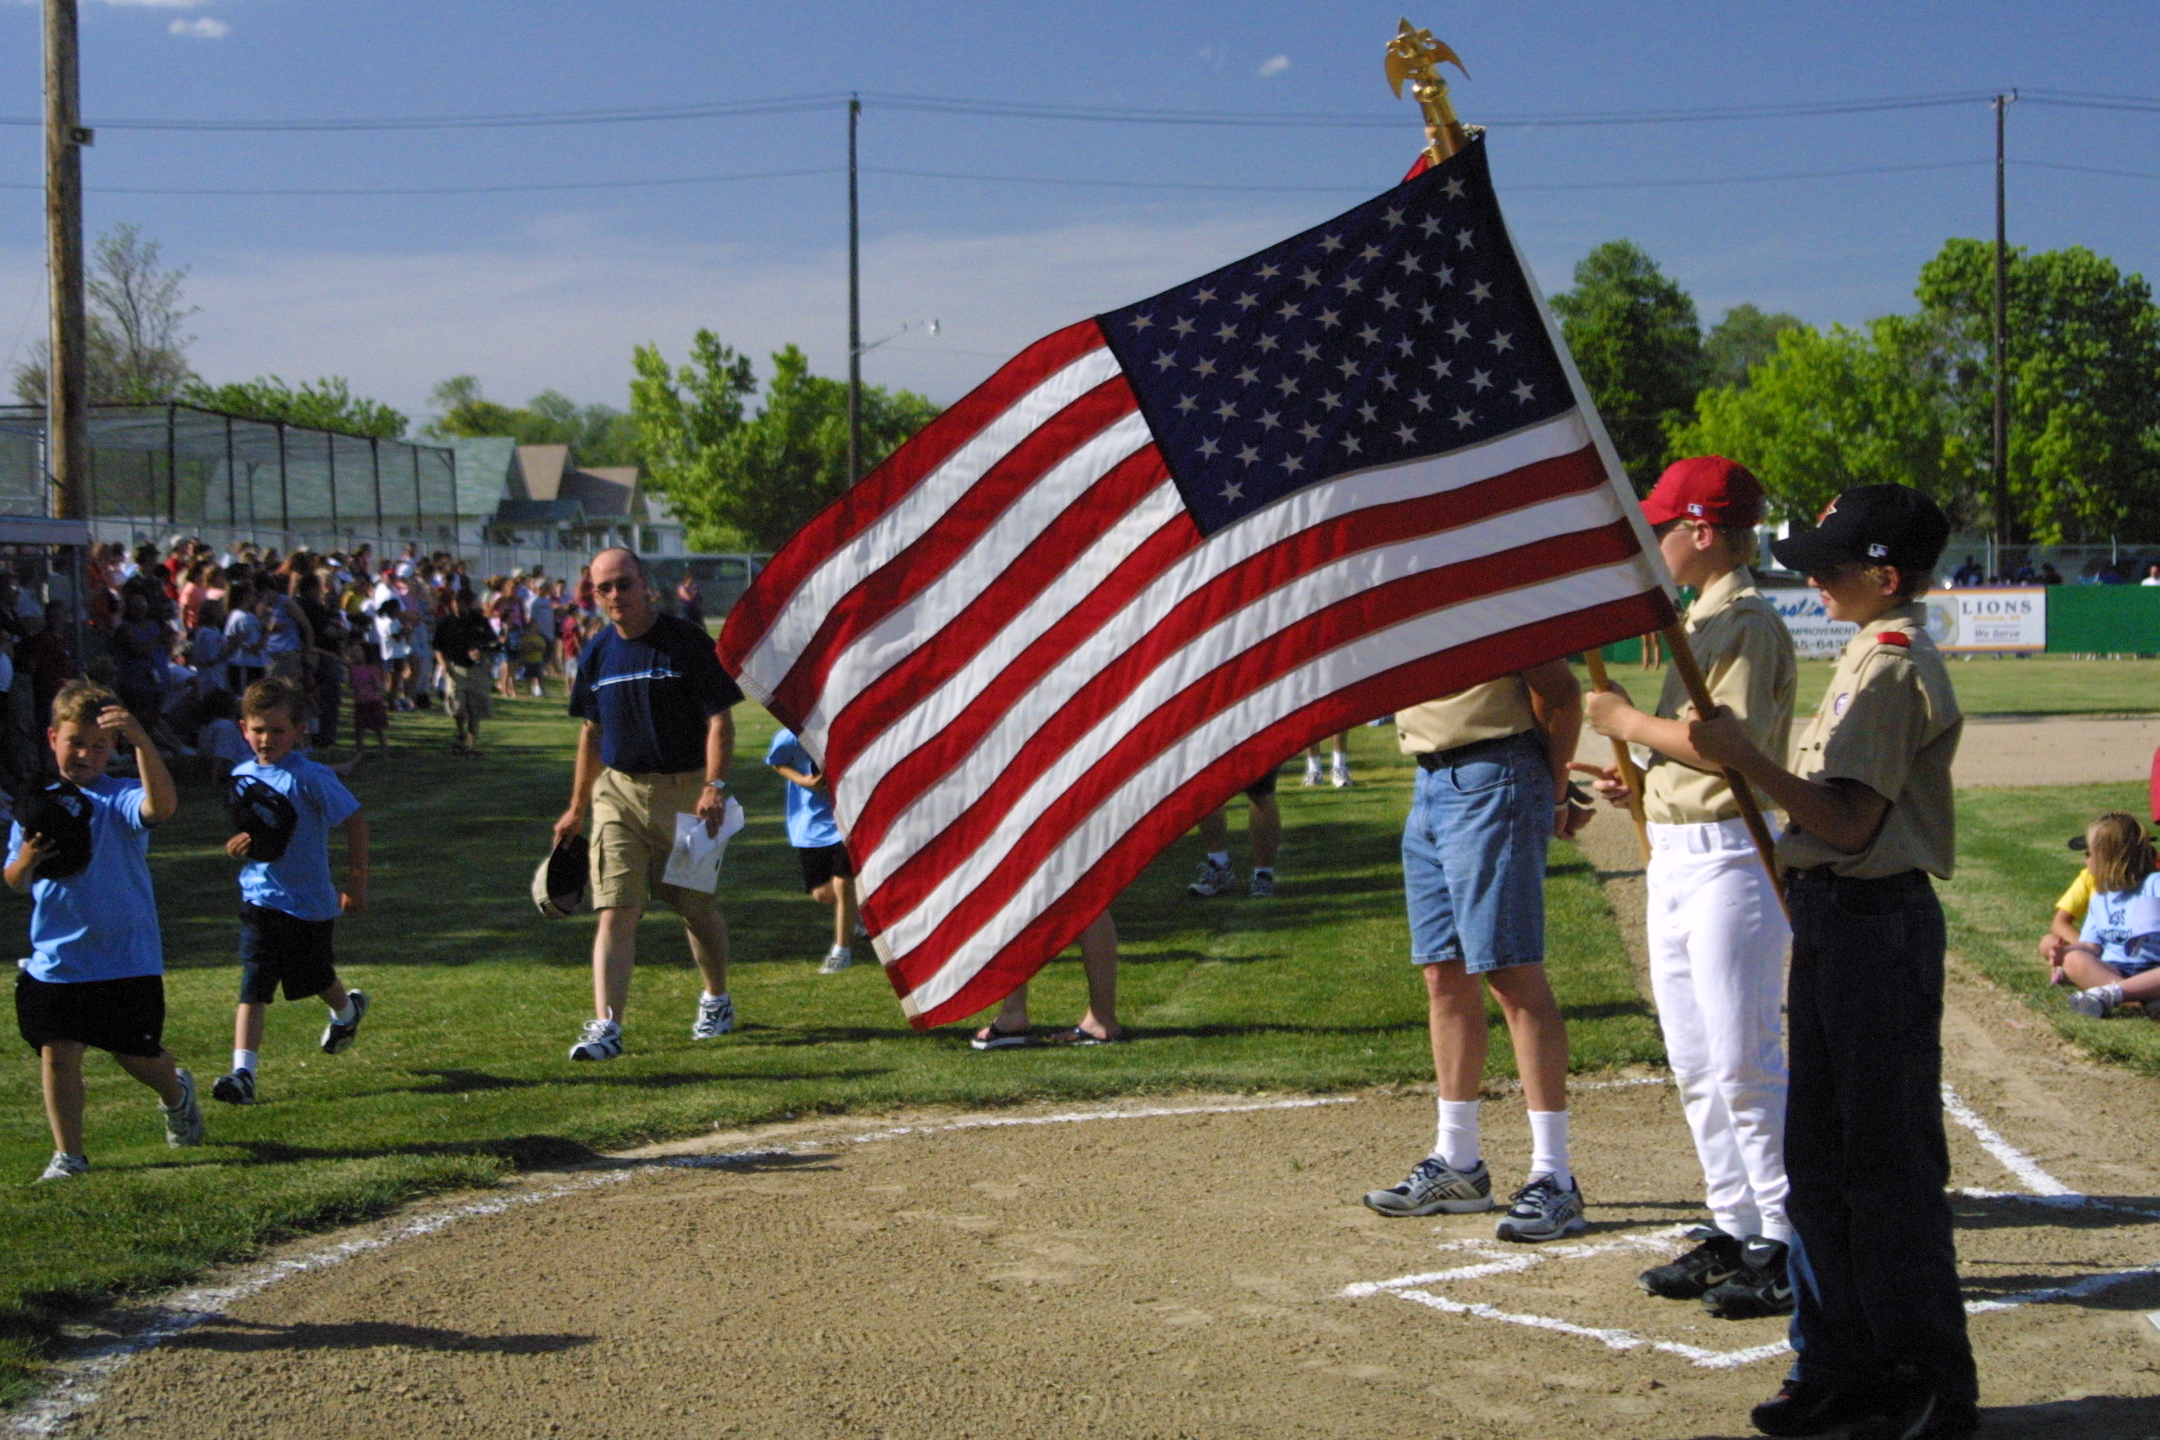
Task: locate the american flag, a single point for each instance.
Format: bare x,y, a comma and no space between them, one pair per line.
1162,550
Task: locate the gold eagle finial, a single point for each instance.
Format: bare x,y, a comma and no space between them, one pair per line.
1414,55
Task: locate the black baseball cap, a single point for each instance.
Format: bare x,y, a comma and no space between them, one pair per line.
1870,525
559,885
60,813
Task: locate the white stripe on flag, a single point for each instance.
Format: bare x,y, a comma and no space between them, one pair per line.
1400,644
1233,635
896,637
923,507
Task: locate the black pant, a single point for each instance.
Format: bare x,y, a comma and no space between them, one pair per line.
1875,1264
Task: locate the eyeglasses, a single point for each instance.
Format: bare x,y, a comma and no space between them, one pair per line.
609,587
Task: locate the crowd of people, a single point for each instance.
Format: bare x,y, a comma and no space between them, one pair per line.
1972,575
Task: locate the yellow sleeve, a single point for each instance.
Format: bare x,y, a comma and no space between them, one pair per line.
2077,897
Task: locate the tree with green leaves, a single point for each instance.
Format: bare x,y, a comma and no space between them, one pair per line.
2083,356
1828,410
1638,344
326,404
596,434
754,482
1742,340
135,326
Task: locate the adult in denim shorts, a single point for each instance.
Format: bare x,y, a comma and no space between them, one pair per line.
1491,794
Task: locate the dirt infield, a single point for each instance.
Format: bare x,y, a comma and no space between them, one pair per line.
1197,1267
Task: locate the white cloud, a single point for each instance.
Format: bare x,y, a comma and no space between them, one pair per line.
1273,66
203,27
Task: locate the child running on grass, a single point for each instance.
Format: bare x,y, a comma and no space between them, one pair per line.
283,806
828,875
2108,963
96,975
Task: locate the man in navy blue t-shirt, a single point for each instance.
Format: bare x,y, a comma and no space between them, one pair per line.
657,740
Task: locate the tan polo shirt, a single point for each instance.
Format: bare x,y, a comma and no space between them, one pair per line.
1747,658
1492,711
1890,721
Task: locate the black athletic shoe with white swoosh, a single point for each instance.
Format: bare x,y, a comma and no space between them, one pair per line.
1762,1288
1714,1260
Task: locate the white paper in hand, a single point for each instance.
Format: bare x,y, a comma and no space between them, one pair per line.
694,863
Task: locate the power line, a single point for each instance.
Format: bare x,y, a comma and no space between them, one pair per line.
1015,110
365,190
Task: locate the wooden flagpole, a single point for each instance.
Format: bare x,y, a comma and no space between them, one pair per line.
1630,772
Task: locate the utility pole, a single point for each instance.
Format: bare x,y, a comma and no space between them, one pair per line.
2002,376
854,303
67,368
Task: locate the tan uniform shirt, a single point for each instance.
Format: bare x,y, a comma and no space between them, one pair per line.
1890,721
1747,658
1492,711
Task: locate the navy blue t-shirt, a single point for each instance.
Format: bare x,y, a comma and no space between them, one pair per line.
652,696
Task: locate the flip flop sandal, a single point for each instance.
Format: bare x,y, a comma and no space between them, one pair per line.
992,1038
1077,1037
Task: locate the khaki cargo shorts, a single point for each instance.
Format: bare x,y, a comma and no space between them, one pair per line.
633,829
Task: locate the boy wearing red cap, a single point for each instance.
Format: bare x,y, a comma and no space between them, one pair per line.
1878,1337
1717,934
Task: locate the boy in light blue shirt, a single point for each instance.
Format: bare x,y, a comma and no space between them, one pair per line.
828,874
95,978
283,806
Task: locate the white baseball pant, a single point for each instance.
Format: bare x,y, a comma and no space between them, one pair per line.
1718,943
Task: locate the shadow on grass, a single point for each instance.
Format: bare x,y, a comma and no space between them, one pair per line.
243,1337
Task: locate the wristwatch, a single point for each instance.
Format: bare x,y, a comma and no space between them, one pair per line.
716,784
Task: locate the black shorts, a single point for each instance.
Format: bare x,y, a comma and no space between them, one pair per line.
823,863
1263,787
126,1016
276,948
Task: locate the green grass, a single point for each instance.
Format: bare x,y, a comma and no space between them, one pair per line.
2012,865
2041,685
462,1077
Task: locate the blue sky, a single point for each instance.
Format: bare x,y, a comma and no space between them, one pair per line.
552,288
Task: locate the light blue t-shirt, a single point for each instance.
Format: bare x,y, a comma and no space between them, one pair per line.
100,924
299,882
2107,924
810,821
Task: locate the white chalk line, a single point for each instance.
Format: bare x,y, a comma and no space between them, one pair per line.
78,1381
2042,1189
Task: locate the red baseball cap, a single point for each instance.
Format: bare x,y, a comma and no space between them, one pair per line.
1705,487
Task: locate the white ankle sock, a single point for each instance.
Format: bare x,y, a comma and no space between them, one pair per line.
345,1016
1457,1145
1220,859
244,1060
707,996
1549,1147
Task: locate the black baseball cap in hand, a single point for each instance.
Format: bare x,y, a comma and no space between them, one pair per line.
1870,525
60,813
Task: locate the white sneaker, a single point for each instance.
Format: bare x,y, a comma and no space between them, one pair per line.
1341,778
183,1122
1212,880
836,960
715,1017
601,1040
64,1166
1312,771
2093,1003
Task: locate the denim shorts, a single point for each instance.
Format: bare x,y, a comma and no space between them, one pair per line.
1474,856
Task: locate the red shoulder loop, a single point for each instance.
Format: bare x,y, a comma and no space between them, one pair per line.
1895,637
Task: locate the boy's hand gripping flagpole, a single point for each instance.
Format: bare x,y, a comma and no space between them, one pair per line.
1414,55
1630,773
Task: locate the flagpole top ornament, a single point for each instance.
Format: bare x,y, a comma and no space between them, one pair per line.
1414,55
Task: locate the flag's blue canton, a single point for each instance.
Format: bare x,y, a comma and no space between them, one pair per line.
1402,328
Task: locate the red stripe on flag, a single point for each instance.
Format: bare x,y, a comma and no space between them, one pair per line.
1347,620
838,523
1269,569
918,566
1484,659
1084,522
940,752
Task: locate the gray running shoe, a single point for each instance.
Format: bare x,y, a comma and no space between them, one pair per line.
2092,1004
64,1166
600,1040
1212,880
715,1017
1763,1286
1541,1210
336,1038
1714,1260
835,961
1432,1188
237,1088
1263,885
183,1122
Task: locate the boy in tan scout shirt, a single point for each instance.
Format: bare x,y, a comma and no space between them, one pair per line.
1879,1332
1717,934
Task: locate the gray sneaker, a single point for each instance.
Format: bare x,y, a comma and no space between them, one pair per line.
1212,880
1433,1189
337,1038
715,1017
1263,885
836,960
600,1040
64,1166
1541,1210
183,1122
2093,1003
